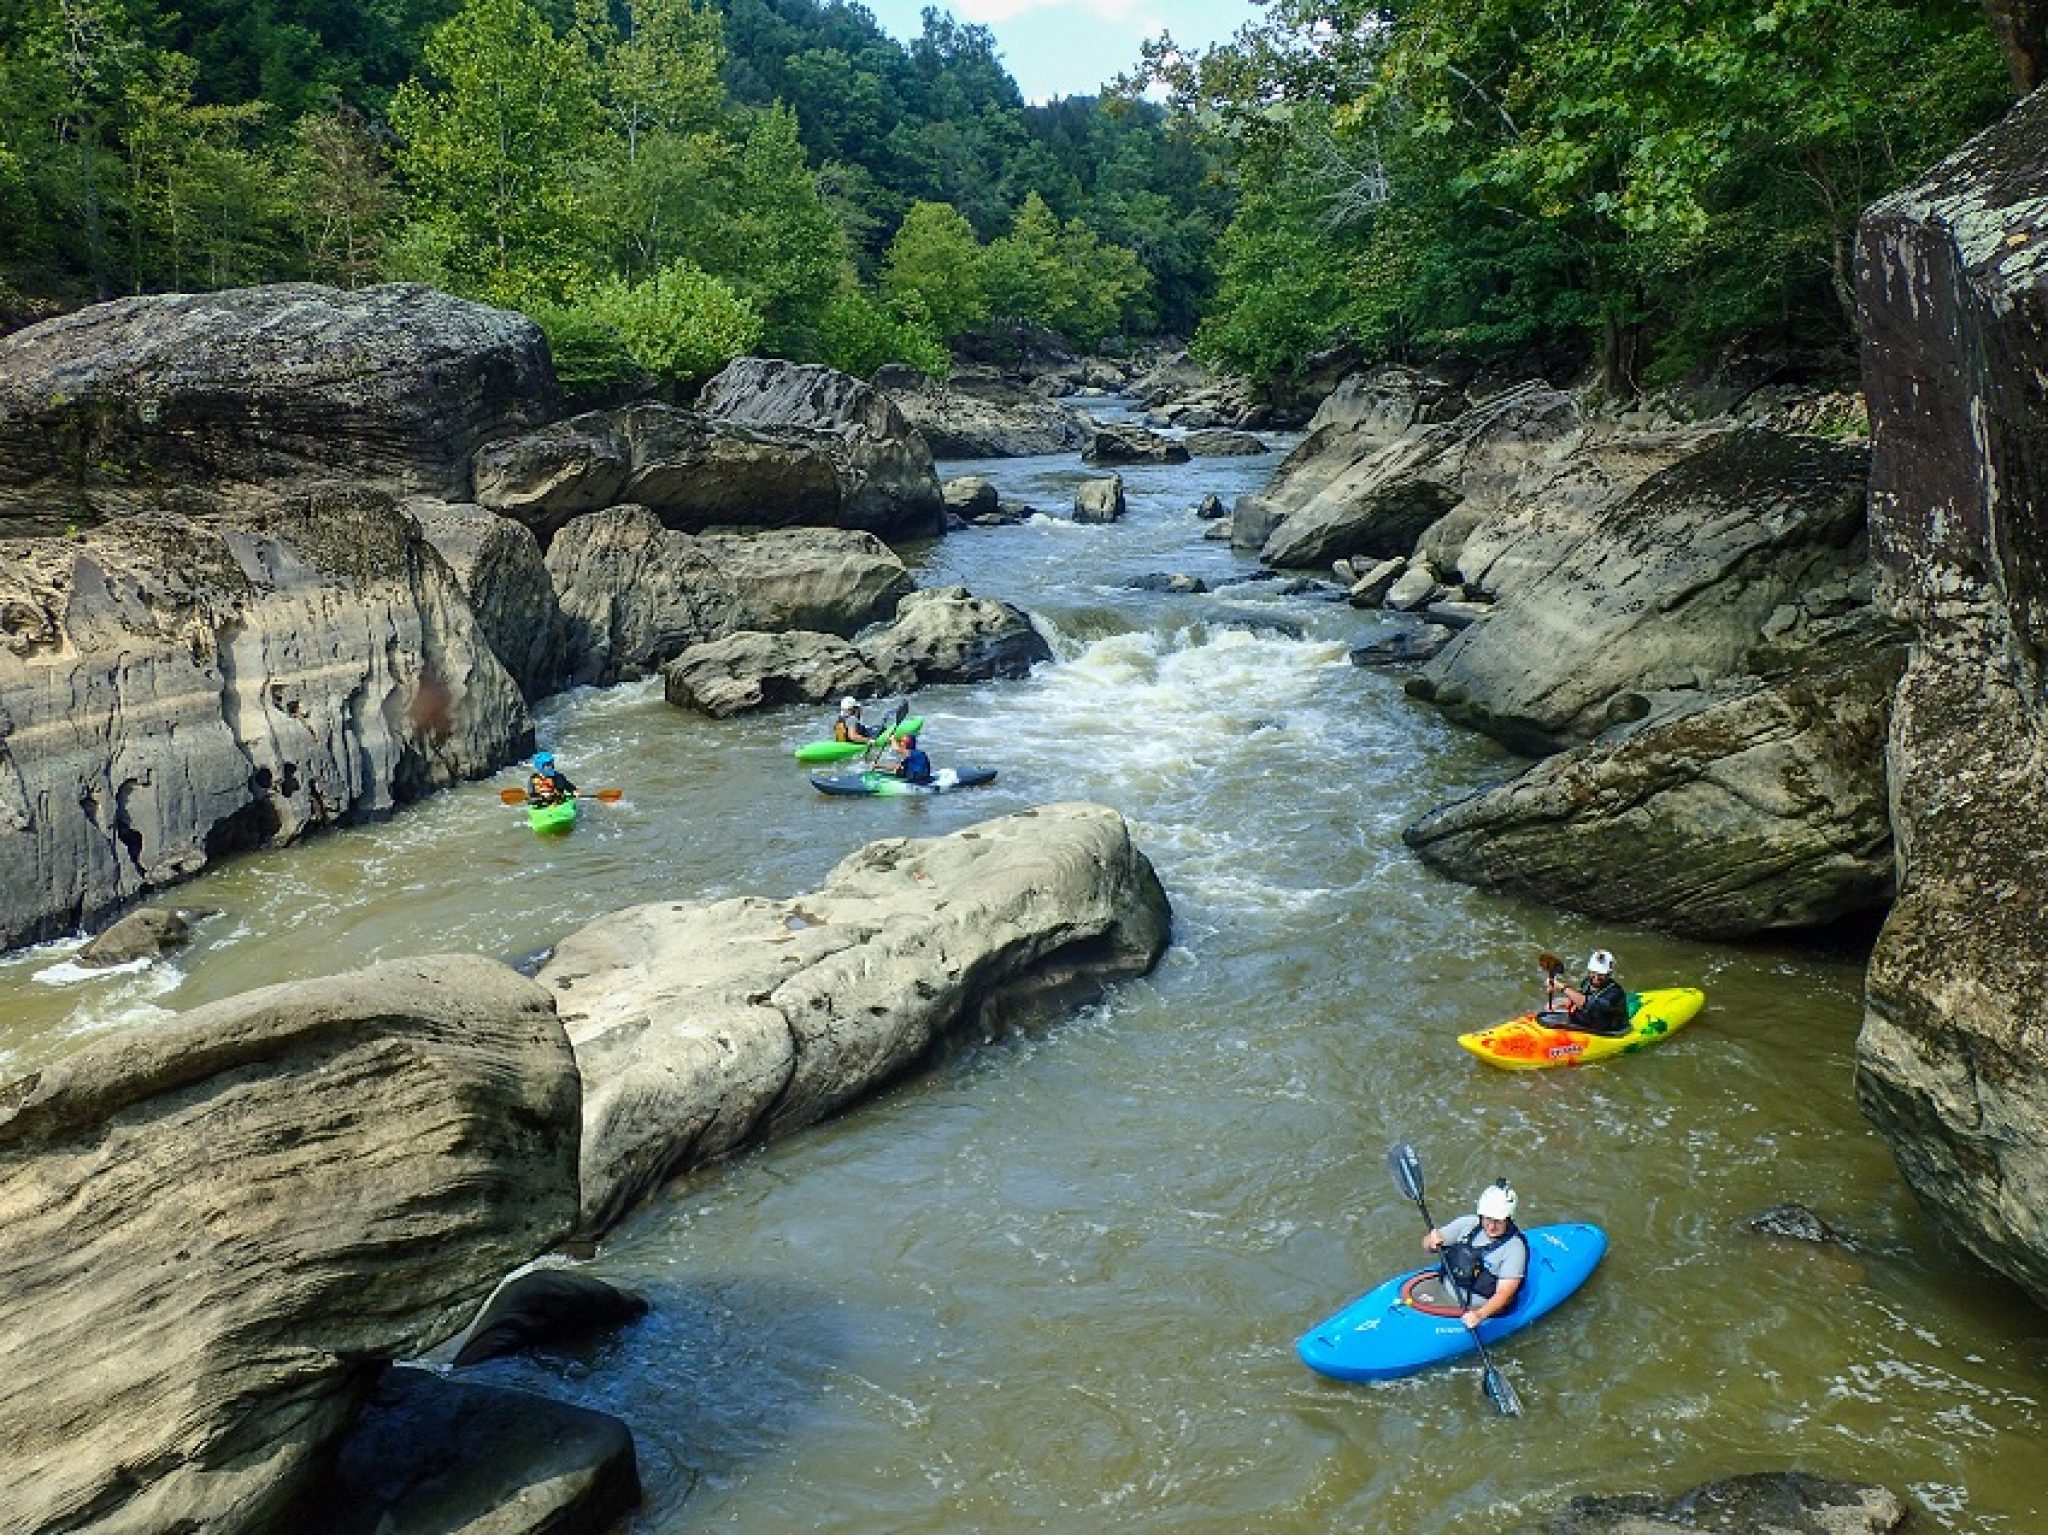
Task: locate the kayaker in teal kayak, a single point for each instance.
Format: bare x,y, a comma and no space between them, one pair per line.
1485,1256
912,765
848,726
1597,1005
548,785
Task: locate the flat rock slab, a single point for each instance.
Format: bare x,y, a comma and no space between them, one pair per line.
701,1027
1769,1503
440,1457
218,1229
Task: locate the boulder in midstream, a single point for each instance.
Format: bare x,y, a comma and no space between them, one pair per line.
702,1026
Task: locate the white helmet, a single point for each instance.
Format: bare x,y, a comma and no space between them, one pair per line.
1599,962
1497,1201
849,705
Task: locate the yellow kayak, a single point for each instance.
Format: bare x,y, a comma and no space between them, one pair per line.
1523,1044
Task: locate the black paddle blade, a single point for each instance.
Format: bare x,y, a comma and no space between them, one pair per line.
902,713
1501,1392
1406,1167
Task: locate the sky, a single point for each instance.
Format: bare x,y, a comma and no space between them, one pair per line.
1071,47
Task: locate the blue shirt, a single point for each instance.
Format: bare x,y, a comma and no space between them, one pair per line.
917,767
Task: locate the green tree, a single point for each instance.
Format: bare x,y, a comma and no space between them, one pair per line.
934,265
857,335
1022,268
682,325
491,155
342,197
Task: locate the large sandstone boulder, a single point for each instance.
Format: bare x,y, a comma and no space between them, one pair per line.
945,634
635,594
1758,809
887,484
701,1027
107,411
751,670
770,445
1952,1061
979,414
1666,591
173,689
1354,491
219,1228
1121,443
499,565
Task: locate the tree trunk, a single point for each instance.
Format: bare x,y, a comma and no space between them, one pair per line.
2021,27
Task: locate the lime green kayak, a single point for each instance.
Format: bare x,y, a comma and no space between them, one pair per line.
559,816
840,751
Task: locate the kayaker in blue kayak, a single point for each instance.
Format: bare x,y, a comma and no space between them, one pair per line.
549,785
1597,1005
848,726
912,765
1485,1256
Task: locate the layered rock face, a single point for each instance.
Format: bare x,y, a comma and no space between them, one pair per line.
499,565
218,1230
700,1027
979,414
1669,589
770,445
635,594
106,411
175,688
1952,1061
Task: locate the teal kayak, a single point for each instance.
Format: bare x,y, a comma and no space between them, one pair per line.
559,816
1402,1326
886,784
841,751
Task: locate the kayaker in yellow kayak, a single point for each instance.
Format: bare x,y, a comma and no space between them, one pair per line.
549,785
1485,1255
1597,1005
848,726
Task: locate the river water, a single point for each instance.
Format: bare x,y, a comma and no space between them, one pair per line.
1053,1283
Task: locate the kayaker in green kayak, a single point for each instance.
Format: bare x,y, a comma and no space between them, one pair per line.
848,726
548,785
911,765
1597,1005
1485,1256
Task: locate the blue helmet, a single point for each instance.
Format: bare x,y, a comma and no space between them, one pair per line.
542,761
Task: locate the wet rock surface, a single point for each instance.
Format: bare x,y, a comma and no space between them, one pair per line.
1952,1066
1768,1503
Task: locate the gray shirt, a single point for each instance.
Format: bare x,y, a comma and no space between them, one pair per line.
1507,1260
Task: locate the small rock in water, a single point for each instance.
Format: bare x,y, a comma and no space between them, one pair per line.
1402,649
1211,507
142,935
1767,1503
1795,1223
1163,582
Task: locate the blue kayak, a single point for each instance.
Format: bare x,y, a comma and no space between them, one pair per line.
1401,1327
889,783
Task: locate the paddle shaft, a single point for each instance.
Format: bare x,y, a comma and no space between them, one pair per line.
1407,1168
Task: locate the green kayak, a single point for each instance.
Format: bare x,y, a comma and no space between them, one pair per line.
559,816
840,751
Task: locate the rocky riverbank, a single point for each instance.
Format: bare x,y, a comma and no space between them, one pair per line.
1777,678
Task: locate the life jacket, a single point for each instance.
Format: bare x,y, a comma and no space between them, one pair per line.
1464,1262
842,729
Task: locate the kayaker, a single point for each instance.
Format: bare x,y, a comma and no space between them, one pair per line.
912,765
848,726
1485,1255
549,785
1598,1004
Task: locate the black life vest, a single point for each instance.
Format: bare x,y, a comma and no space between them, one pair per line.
1464,1262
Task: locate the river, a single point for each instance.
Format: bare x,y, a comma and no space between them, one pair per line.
1053,1283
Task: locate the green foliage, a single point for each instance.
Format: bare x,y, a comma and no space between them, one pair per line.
935,265
681,325
490,153
1063,276
858,335
1661,176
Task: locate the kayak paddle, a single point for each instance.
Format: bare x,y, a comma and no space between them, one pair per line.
607,796
1552,967
889,723
1407,1169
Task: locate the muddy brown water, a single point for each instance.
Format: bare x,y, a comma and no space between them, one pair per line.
1053,1282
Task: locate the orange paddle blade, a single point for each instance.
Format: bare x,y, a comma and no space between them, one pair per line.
512,796
611,796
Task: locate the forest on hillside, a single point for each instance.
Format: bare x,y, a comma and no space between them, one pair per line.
664,184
